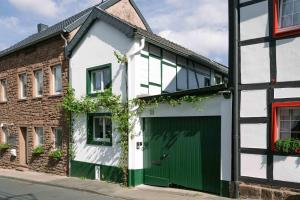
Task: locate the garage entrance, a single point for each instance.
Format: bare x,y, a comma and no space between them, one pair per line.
183,151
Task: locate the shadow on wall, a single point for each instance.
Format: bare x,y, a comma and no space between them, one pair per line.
106,155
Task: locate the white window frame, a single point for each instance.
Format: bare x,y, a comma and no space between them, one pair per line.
104,139
280,16
3,92
36,81
54,78
37,136
54,130
279,124
21,86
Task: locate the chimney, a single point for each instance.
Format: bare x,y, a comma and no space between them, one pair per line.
41,27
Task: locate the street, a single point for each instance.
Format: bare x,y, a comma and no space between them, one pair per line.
18,190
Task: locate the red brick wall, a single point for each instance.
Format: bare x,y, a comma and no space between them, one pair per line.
35,112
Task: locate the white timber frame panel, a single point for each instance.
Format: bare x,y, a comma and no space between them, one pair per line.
254,136
254,165
253,103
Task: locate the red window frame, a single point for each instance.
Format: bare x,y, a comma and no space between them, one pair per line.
282,32
275,106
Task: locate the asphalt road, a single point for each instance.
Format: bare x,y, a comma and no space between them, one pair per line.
18,190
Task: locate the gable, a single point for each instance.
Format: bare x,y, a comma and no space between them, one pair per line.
125,10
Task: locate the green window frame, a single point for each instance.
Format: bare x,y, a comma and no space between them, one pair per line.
106,126
92,73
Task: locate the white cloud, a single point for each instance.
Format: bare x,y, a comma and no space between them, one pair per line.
9,22
45,8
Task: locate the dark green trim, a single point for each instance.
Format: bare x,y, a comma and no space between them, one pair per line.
169,64
135,177
154,84
90,136
145,56
88,77
87,170
144,85
224,188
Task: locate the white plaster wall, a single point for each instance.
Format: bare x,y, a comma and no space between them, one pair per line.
254,136
253,103
254,21
286,169
280,93
254,165
215,106
97,48
255,63
288,59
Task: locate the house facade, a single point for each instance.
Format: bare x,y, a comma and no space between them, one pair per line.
264,56
155,68
34,77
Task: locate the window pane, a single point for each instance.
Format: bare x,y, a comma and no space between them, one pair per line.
108,128
284,114
297,19
297,6
98,128
295,114
295,126
58,138
96,78
285,135
5,135
285,126
23,85
39,82
3,90
57,79
40,136
286,21
287,8
106,78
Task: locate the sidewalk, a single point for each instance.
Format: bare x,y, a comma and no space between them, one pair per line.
108,189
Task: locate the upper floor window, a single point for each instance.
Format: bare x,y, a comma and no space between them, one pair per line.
287,17
98,79
3,90
23,86
38,89
56,79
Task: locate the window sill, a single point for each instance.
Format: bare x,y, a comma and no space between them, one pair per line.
99,143
285,32
21,100
37,98
3,102
55,95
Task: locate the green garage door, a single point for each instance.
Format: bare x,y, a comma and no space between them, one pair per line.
183,151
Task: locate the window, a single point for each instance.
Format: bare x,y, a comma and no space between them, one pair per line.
218,79
99,129
23,86
57,132
206,82
286,120
56,79
39,136
4,137
38,76
3,90
98,79
287,17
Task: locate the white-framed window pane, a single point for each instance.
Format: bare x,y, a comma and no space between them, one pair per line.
102,128
57,79
96,81
4,135
23,85
57,138
289,123
39,136
39,82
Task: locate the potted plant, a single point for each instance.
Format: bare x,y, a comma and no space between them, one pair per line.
38,150
287,146
56,154
4,147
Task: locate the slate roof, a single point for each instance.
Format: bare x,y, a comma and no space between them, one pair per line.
132,30
66,25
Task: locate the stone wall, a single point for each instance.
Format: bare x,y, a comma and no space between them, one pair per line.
35,112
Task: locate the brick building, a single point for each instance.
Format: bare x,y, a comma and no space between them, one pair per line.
33,81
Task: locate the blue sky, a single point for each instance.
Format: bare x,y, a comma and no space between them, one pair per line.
200,25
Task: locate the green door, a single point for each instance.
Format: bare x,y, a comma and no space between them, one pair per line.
183,151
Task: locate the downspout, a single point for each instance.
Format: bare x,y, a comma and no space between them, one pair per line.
70,116
234,77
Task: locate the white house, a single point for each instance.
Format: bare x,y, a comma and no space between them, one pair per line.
265,61
156,67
